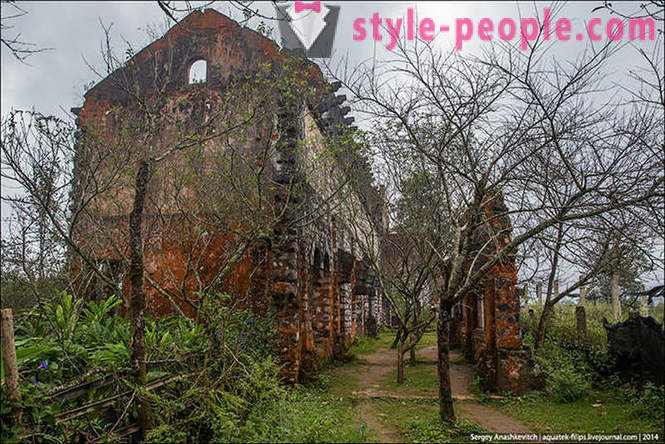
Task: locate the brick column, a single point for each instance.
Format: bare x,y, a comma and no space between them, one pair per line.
284,291
347,315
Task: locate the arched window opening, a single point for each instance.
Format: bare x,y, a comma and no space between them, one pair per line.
198,72
316,262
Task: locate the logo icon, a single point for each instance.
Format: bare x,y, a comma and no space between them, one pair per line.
308,26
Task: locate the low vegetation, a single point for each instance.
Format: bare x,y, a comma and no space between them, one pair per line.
582,394
225,384
230,389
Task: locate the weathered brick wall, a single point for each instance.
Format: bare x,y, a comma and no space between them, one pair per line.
487,320
308,270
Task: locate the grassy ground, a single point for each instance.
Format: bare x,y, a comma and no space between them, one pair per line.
413,420
416,420
365,346
418,378
428,339
339,381
599,412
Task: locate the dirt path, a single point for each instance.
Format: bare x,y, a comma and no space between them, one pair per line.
487,417
377,366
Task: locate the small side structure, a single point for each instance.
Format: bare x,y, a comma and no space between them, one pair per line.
486,322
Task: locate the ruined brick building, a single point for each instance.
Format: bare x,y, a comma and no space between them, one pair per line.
288,247
257,191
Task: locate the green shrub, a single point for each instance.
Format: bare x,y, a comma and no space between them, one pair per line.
647,402
255,408
567,385
570,365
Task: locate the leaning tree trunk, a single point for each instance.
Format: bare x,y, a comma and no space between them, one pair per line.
548,310
398,338
446,410
137,302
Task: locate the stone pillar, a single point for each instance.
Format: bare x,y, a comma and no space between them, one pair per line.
309,363
287,308
355,318
372,329
336,327
360,330
287,314
507,309
580,316
379,306
616,303
325,308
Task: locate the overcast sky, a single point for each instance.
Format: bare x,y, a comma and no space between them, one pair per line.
53,81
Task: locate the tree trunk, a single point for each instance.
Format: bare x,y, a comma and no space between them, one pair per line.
616,303
10,364
552,291
412,354
400,363
446,410
398,337
137,302
542,324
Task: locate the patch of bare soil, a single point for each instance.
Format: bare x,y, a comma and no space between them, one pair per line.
491,419
460,375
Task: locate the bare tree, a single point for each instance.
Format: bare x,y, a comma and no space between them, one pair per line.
519,124
18,47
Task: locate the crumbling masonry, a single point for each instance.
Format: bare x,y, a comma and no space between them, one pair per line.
486,322
314,278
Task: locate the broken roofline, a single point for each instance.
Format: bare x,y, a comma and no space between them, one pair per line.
224,38
205,23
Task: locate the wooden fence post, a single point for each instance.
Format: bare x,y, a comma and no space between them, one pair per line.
580,315
616,303
9,361
582,295
539,291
